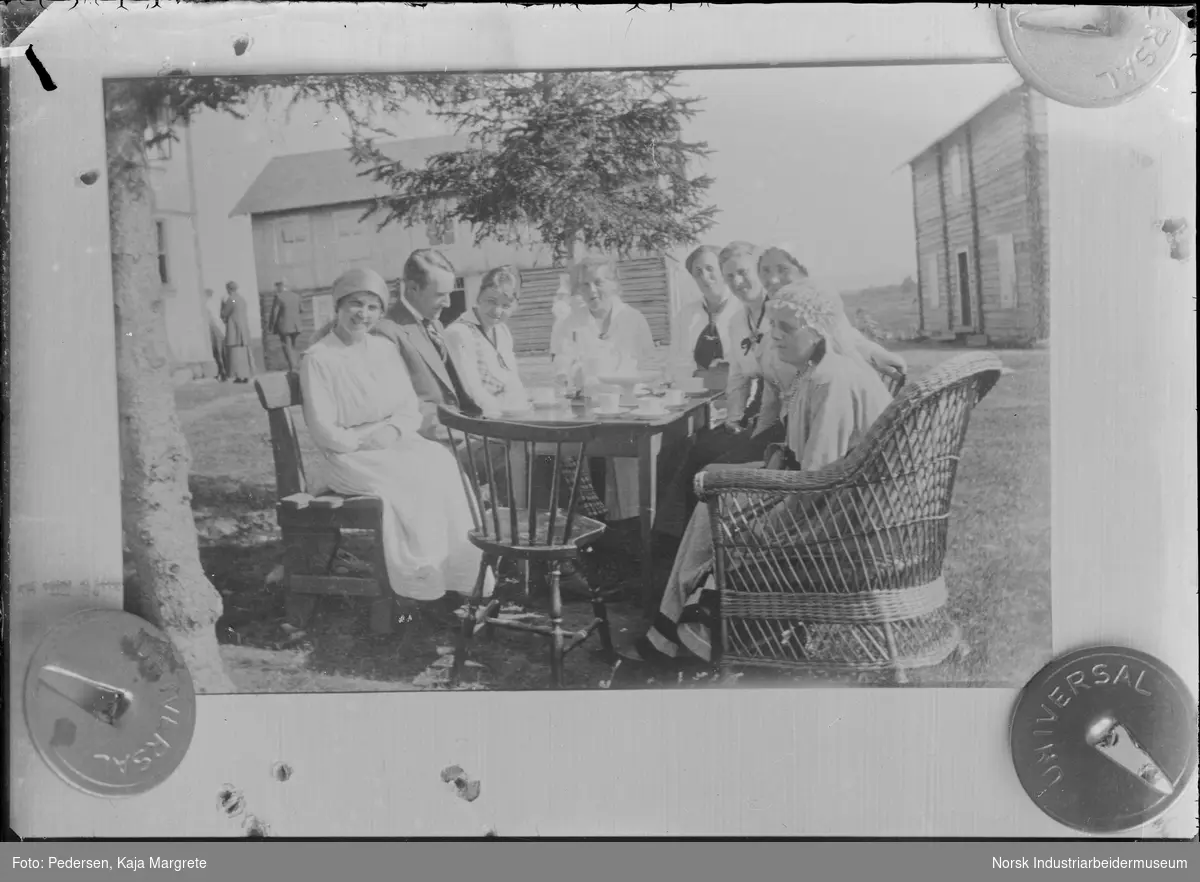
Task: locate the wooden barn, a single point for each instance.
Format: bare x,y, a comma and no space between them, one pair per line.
981,215
305,216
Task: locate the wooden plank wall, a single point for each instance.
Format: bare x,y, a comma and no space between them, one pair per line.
998,138
644,286
929,242
1008,158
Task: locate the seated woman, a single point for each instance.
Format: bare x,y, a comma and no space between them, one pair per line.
831,403
362,412
608,336
704,339
481,346
757,381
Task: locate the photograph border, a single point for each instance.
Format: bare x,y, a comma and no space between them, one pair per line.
762,762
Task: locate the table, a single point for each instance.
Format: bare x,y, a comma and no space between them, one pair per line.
639,437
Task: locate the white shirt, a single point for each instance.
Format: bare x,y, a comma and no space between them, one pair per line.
628,339
744,365
488,373
691,321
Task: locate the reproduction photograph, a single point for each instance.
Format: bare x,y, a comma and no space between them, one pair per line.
595,380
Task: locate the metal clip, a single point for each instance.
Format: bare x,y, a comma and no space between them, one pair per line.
1090,56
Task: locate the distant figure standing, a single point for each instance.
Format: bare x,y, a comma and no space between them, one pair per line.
285,322
238,361
216,332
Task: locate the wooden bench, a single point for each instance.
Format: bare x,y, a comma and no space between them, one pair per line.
309,521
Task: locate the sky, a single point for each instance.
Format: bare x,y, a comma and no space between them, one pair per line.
810,157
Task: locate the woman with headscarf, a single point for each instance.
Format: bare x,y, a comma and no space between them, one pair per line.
363,414
239,363
833,399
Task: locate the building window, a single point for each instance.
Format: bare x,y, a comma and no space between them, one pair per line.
160,128
292,241
440,231
353,242
930,281
164,266
1007,259
956,171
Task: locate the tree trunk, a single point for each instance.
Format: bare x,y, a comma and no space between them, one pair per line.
171,589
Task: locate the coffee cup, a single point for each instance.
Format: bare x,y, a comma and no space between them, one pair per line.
690,385
609,401
674,397
651,405
543,395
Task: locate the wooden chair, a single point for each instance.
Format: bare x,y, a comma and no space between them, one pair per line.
313,523
840,569
544,530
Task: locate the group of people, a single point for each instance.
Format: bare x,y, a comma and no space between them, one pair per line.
229,330
802,387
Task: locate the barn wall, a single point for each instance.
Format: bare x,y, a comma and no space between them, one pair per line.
1039,221
1002,186
1005,163
959,228
644,286
929,244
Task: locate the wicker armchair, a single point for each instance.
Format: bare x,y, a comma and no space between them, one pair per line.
840,569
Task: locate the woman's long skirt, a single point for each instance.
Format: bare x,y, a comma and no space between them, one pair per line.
237,362
426,515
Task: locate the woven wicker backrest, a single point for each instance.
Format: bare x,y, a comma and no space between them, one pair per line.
842,567
882,521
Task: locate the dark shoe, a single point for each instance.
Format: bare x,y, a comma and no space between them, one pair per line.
642,652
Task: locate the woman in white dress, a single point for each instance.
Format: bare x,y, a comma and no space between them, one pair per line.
362,412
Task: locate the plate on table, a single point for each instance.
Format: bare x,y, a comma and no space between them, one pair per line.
604,411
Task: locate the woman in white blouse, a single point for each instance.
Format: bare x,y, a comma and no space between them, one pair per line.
481,346
703,340
608,337
362,412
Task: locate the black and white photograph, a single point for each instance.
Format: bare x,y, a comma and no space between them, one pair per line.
589,380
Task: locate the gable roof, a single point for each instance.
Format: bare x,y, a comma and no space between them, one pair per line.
330,177
1010,86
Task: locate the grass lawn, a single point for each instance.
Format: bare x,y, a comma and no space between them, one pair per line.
997,564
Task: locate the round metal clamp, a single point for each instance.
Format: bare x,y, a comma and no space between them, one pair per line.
1104,739
1090,56
109,703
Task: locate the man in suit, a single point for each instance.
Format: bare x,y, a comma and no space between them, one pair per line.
284,321
412,323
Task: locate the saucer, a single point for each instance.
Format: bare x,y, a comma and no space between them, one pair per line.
548,405
604,411
650,413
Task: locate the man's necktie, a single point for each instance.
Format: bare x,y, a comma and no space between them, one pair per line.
435,337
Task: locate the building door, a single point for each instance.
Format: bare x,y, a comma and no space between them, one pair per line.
966,314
